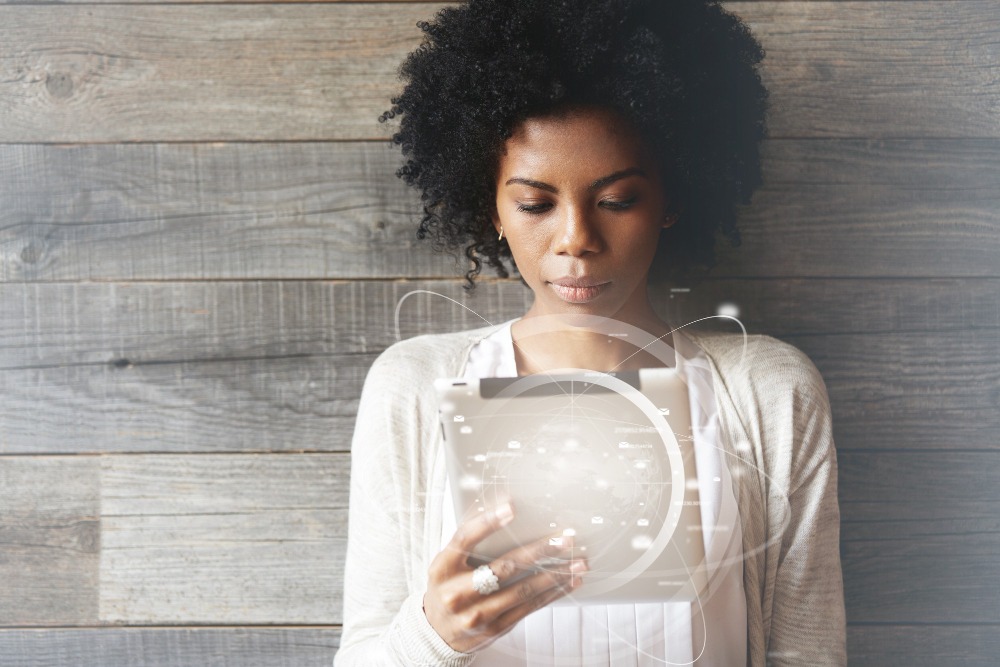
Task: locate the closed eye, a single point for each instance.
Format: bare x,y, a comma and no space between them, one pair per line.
618,204
533,208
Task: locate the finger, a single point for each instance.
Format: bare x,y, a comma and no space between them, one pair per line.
534,556
549,553
473,531
513,615
520,592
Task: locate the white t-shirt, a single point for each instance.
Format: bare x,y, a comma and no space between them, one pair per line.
707,632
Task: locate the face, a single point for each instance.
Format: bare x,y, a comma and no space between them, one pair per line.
582,208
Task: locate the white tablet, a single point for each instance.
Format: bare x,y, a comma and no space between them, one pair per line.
607,455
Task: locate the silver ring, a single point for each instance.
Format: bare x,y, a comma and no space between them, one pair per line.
484,580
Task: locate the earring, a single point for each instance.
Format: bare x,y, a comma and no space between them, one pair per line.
500,238
669,220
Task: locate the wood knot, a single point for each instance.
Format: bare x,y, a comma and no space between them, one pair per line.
59,85
30,253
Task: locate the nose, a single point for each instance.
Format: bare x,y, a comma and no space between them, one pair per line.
577,233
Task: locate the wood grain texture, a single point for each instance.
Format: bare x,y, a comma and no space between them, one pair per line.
927,208
293,404
122,324
917,391
211,211
326,71
201,72
50,541
919,535
224,539
923,645
278,366
169,647
247,538
868,645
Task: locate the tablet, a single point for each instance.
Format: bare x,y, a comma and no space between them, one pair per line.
609,456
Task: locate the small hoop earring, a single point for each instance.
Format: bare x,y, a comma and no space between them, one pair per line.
500,238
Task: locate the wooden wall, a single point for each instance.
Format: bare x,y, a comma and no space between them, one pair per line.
202,243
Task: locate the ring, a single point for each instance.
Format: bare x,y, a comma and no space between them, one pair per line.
484,580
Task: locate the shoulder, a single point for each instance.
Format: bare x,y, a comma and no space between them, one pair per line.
760,364
426,356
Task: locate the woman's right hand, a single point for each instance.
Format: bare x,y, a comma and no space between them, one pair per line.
468,620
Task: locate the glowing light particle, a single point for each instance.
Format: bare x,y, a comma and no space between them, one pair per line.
471,483
641,542
727,309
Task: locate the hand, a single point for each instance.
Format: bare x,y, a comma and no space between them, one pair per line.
468,620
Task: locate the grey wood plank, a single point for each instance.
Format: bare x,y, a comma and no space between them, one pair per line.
237,539
201,72
884,69
911,390
933,579
896,496
875,645
246,538
161,211
325,71
279,366
117,324
919,536
926,208
49,540
894,208
169,647
297,403
923,645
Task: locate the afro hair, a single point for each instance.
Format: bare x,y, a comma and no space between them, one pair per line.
683,73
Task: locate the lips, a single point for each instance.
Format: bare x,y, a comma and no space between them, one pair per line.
578,290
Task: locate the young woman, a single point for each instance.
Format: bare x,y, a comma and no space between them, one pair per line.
597,146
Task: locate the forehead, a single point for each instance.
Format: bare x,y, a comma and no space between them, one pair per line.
588,138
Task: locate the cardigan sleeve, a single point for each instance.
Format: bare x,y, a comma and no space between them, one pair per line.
808,625
384,621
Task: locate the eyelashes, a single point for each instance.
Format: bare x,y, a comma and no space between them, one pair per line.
609,204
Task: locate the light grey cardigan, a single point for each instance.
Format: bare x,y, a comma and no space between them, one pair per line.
775,415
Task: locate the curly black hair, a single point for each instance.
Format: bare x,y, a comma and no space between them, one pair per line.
682,72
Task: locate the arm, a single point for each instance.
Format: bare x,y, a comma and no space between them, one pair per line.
808,624
384,621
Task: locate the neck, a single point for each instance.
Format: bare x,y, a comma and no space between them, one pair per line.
550,342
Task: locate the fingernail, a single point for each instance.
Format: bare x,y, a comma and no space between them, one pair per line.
505,514
578,567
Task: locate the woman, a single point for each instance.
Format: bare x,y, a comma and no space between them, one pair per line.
597,146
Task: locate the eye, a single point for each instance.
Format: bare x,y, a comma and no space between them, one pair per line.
618,204
533,209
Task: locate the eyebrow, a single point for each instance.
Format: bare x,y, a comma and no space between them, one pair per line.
596,185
